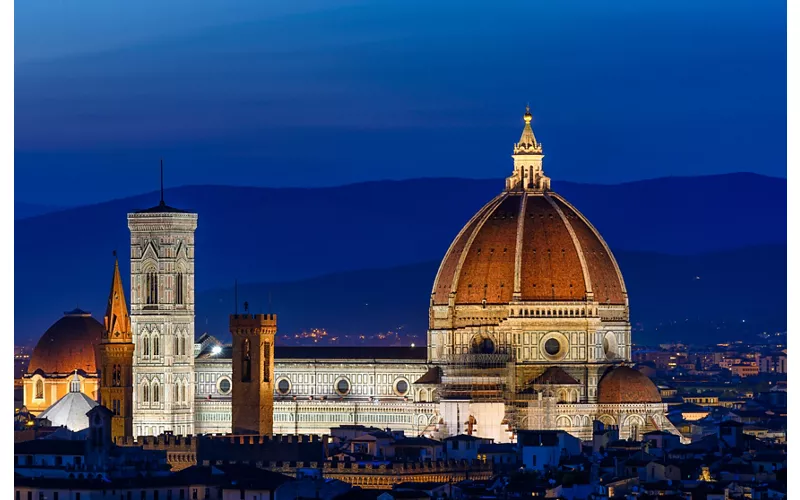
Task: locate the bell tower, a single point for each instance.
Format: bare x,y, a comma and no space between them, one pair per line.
253,372
115,353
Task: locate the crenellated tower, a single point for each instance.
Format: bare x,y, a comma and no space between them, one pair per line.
253,372
115,355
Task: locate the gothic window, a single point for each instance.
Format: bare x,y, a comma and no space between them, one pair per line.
175,394
145,393
246,360
116,376
183,393
175,350
39,389
151,287
179,290
145,345
155,345
155,392
116,408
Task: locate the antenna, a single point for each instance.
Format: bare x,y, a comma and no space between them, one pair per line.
162,182
236,296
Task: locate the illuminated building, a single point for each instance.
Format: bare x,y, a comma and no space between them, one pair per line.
528,329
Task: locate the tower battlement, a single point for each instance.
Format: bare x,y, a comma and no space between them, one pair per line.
249,321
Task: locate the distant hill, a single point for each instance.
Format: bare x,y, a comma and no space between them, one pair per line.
716,296
63,259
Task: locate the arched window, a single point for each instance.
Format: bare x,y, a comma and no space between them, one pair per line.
39,389
183,393
145,345
145,393
156,392
151,287
175,349
155,345
267,360
116,376
179,289
246,360
175,394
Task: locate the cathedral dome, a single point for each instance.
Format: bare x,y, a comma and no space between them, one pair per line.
528,244
626,385
68,345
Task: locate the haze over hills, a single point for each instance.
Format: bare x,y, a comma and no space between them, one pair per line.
265,235
713,297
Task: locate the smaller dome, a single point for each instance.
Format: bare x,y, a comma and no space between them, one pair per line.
70,411
68,345
626,385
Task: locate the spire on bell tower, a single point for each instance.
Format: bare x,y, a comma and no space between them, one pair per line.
528,174
117,321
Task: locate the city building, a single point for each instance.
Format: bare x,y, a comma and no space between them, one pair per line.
529,330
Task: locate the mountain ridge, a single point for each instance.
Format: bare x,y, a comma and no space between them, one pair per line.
273,234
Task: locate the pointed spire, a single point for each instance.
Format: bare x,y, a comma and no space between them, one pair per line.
527,142
117,321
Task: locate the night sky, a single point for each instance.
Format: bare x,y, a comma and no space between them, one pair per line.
315,93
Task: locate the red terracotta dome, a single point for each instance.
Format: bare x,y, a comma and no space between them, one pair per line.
528,245
626,385
68,345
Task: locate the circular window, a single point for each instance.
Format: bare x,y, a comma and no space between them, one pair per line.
224,385
401,387
482,345
552,346
342,386
610,345
284,386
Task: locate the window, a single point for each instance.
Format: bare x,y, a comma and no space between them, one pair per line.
175,394
115,407
145,393
552,346
401,387
179,294
208,493
39,389
41,495
156,392
194,493
246,360
342,386
225,385
55,495
151,285
155,494
155,345
116,376
175,350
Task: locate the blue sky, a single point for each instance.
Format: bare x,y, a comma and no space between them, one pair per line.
315,93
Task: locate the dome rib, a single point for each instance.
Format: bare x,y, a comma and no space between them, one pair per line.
608,285
450,267
587,278
489,268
